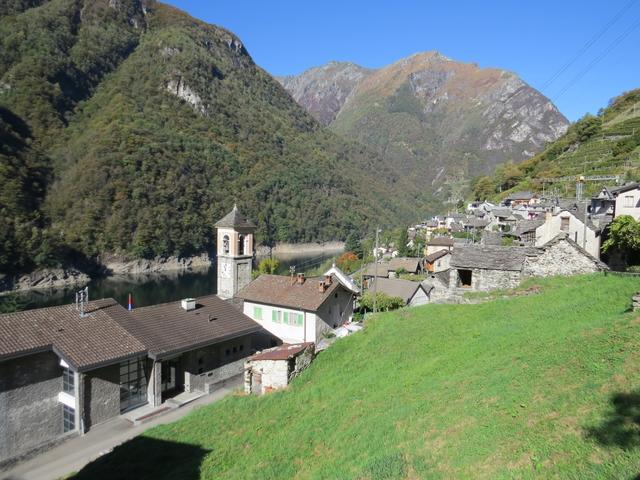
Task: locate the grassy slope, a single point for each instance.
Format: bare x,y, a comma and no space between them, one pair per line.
518,387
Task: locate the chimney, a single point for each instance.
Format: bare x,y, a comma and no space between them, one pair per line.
327,280
300,280
321,286
188,304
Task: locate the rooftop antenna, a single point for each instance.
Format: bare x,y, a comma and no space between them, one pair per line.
82,299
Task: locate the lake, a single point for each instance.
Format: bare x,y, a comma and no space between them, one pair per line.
150,289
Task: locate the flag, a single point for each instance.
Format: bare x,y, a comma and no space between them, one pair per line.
130,307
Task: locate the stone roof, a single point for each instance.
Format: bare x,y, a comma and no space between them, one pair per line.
395,287
410,264
614,191
490,257
87,342
520,196
235,219
436,255
441,241
501,212
285,291
282,352
167,328
526,226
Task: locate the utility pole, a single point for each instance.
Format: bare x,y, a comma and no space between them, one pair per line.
375,274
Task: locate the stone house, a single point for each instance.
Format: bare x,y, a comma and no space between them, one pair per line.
484,267
65,370
392,268
274,368
521,198
297,309
412,293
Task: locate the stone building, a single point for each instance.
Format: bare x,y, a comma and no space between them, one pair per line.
297,309
274,368
412,293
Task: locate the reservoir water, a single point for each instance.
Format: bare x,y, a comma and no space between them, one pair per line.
161,287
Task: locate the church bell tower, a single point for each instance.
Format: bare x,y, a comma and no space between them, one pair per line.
235,253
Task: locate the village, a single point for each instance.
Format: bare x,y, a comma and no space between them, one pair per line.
66,369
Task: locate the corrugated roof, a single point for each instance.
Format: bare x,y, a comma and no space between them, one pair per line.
84,342
395,287
490,257
285,291
282,352
167,328
234,219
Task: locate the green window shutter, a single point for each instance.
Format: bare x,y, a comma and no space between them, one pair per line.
257,313
300,319
286,317
274,316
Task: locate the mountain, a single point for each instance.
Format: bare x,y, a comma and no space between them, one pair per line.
606,144
147,126
434,120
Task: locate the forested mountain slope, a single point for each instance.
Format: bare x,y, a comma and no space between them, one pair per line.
601,145
150,124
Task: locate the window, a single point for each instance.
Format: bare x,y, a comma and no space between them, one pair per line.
564,224
276,316
257,313
240,244
299,319
68,419
286,318
68,381
133,383
628,201
225,244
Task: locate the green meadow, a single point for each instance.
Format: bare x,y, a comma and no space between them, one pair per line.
543,382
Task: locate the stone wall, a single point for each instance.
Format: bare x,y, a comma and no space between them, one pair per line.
101,395
485,280
560,258
30,414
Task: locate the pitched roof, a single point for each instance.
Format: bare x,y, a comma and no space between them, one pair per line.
526,226
167,328
285,291
282,352
614,191
85,343
520,196
408,263
234,219
441,241
382,270
436,255
343,278
491,257
395,287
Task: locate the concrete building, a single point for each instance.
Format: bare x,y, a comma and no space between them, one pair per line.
412,293
297,309
63,371
234,253
274,368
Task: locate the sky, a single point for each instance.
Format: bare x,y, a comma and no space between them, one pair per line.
534,39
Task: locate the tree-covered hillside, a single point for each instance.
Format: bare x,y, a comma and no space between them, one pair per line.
151,124
603,144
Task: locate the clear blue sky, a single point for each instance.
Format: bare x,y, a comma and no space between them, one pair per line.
533,39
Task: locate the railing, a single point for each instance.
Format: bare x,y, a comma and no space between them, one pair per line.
621,274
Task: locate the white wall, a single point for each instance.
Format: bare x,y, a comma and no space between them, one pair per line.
551,229
622,202
420,298
287,333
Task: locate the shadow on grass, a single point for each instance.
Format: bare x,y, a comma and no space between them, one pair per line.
147,458
622,426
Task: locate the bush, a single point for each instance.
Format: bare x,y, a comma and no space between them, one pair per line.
384,302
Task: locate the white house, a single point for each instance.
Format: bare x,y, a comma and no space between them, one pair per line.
570,221
627,201
297,309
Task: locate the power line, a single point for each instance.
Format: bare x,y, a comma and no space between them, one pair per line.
587,45
608,50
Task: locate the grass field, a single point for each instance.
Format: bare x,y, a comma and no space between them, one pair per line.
540,385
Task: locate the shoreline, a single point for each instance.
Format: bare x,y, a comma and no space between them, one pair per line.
64,278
